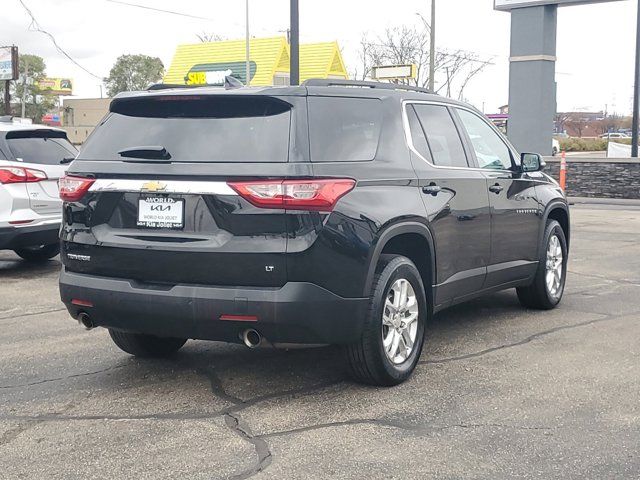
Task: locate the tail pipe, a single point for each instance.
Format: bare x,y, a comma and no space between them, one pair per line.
251,338
85,320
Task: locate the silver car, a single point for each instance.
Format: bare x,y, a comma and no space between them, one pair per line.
32,159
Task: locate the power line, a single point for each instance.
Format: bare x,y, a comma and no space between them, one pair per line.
36,26
182,14
170,12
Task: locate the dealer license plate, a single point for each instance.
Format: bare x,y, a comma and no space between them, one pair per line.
161,212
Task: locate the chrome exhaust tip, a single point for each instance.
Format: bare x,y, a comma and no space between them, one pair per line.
251,338
85,320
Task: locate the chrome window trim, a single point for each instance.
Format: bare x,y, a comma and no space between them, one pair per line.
168,186
409,139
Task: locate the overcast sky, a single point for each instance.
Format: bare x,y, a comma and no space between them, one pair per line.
595,42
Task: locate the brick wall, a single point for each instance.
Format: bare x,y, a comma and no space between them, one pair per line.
600,178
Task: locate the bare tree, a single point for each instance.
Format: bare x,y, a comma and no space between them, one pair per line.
610,123
205,37
562,119
410,45
577,122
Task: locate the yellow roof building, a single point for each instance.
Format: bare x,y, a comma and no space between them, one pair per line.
210,62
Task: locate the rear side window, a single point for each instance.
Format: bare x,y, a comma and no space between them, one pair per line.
442,135
40,146
344,129
418,139
196,128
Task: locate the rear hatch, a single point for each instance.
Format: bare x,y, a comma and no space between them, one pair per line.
43,150
161,210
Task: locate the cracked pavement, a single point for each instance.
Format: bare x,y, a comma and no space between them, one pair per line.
500,392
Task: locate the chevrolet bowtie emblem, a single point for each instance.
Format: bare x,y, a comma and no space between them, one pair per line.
154,186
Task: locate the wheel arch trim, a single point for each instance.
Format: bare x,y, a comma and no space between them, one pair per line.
390,233
556,205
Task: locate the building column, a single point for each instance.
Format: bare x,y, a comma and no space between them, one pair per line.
532,87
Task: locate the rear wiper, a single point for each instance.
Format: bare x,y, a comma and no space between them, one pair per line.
151,152
67,160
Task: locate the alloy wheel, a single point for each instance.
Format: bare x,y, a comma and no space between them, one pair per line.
553,276
400,321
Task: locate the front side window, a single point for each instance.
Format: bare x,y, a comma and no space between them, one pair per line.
492,153
442,135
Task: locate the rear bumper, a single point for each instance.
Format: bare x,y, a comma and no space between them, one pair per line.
12,238
295,313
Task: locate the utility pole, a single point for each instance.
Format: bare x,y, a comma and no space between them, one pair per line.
7,97
432,49
24,88
247,65
294,75
636,93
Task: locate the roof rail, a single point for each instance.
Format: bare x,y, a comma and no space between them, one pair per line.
333,82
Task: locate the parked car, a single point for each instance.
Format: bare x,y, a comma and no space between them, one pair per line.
336,212
30,208
614,135
555,147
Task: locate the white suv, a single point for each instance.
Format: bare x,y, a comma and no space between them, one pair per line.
32,159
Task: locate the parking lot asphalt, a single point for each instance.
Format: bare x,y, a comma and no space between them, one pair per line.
501,392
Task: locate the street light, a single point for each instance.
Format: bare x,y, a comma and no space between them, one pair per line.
432,51
636,93
247,66
294,60
432,44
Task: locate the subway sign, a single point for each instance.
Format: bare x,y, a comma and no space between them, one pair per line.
214,73
511,4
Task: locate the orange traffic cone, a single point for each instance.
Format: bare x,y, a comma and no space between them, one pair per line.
563,171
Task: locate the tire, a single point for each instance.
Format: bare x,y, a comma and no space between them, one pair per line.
540,294
40,253
367,359
142,345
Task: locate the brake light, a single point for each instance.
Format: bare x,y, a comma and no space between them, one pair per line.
21,175
73,189
317,195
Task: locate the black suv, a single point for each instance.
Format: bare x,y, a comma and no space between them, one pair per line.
335,212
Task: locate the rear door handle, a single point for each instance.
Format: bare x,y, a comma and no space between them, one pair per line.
497,188
432,189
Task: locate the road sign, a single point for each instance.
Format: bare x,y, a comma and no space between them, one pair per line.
394,72
511,4
8,63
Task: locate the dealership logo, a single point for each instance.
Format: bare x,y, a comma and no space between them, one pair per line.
160,208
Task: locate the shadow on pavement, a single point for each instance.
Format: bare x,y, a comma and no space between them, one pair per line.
11,264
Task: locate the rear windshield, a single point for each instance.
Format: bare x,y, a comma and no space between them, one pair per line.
196,129
40,146
344,129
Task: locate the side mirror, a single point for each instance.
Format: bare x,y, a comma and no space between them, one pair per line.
532,162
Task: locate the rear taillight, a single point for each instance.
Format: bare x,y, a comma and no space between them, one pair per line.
318,195
73,189
21,175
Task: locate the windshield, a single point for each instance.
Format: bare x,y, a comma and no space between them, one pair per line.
195,129
40,146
